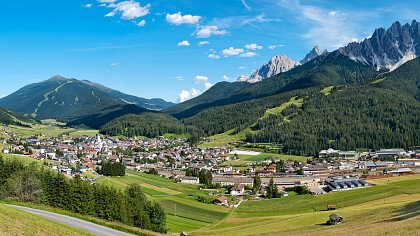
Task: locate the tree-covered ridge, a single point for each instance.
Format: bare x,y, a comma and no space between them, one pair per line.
38,185
8,118
148,124
326,70
347,119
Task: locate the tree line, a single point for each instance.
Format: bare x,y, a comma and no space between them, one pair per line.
33,183
111,169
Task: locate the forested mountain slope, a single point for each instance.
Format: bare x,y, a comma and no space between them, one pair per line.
328,69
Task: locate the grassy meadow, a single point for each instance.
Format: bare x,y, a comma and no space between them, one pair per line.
184,212
16,222
389,208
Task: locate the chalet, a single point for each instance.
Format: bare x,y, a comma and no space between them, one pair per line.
222,200
237,189
271,168
335,219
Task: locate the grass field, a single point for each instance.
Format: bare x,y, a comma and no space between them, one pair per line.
277,110
24,159
327,90
49,131
223,139
184,212
389,208
245,159
16,222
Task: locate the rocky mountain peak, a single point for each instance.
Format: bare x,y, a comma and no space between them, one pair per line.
276,65
387,48
315,52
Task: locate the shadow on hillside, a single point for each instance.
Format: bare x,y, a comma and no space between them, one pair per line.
406,212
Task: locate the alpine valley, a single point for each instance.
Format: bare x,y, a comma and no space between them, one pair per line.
363,95
325,142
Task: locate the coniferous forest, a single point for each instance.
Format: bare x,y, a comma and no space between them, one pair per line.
364,109
32,183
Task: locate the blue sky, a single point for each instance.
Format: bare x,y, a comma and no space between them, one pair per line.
174,49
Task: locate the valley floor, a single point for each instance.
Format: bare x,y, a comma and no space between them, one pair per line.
394,209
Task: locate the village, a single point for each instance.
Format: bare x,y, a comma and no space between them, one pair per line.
214,168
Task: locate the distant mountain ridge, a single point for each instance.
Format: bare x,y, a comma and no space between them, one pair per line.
71,101
276,65
315,52
279,64
151,104
387,48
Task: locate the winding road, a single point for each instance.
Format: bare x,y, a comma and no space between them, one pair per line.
73,222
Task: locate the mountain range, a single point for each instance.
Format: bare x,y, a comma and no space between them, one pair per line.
389,48
76,102
278,64
363,95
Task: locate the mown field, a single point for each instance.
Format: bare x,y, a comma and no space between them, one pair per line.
49,131
245,159
184,212
389,208
16,222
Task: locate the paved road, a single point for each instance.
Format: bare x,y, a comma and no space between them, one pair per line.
74,222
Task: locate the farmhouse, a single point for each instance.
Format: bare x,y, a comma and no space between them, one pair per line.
222,200
237,190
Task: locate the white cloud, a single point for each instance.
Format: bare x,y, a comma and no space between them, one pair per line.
253,46
111,14
188,94
115,63
209,30
214,56
179,77
202,43
179,19
275,46
184,43
129,10
242,67
106,1
226,78
333,13
246,5
248,54
207,85
324,26
89,5
141,23
232,51
200,79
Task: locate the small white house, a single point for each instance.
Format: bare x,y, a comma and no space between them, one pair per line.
189,180
238,189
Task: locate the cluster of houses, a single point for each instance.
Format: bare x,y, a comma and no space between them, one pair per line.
334,170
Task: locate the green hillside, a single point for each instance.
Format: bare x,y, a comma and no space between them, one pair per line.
15,222
152,104
66,100
147,124
326,70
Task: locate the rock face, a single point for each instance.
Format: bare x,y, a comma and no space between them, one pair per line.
276,65
315,52
387,48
